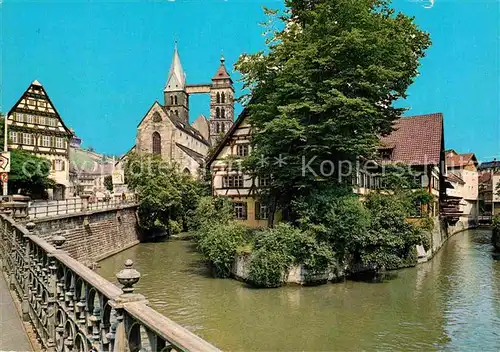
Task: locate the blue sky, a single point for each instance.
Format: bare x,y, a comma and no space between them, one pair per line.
104,63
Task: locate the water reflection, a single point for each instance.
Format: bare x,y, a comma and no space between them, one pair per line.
451,302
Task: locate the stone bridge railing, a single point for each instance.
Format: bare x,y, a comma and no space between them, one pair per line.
72,308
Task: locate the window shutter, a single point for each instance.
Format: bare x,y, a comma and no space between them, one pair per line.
257,211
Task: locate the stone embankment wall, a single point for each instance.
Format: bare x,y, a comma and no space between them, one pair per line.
93,235
440,234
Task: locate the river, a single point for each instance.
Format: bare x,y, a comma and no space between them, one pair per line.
451,303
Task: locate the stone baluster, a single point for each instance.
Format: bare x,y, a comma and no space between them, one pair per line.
27,262
51,301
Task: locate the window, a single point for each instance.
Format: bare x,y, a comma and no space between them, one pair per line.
240,210
242,149
218,98
175,99
261,211
59,142
45,141
19,117
217,128
156,143
31,102
217,112
42,120
171,100
223,97
176,112
232,181
386,154
264,181
222,128
58,165
27,138
14,137
222,113
30,118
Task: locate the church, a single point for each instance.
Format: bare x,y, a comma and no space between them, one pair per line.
165,129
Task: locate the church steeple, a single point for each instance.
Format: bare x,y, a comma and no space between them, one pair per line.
221,102
176,97
176,76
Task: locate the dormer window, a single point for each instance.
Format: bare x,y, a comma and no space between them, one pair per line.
386,154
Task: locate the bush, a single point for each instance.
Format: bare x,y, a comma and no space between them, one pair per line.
268,268
278,248
219,243
210,212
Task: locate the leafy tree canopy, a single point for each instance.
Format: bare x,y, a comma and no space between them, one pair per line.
325,88
29,174
166,195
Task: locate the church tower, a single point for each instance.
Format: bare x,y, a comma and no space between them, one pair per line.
176,97
221,103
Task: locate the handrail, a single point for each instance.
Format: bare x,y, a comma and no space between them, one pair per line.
72,308
46,209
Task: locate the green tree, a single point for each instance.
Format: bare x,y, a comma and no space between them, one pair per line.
325,88
29,174
108,183
165,194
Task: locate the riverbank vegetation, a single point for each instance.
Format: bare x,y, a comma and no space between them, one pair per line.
167,196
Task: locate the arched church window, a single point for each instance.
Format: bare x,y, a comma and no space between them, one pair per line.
156,143
171,100
176,112
175,100
223,128
217,128
222,113
218,97
217,112
223,97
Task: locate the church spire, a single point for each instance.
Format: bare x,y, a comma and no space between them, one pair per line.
176,77
222,72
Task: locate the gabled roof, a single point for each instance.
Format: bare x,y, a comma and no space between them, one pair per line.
221,71
193,154
176,77
453,159
37,86
416,140
211,157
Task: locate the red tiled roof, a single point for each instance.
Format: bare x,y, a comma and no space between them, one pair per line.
416,140
460,160
484,178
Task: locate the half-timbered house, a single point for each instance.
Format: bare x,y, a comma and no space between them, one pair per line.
228,180
34,125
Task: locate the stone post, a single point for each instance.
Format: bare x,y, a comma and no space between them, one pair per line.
85,201
127,277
